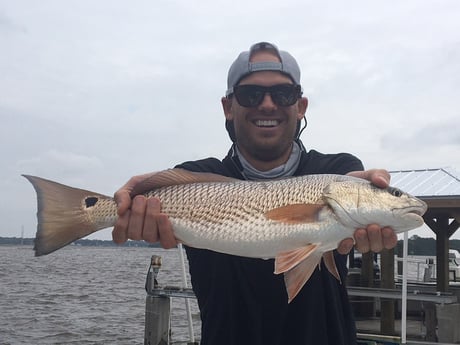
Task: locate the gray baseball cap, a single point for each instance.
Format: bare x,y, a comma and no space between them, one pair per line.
242,67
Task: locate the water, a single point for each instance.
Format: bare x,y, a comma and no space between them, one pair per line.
89,295
83,295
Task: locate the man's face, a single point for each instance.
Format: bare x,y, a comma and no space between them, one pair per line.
265,132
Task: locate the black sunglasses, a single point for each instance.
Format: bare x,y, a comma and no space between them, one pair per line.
282,95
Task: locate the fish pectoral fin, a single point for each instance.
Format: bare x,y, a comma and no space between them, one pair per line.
295,278
295,213
286,261
176,176
329,262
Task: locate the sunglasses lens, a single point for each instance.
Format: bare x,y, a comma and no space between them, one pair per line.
252,95
249,95
284,95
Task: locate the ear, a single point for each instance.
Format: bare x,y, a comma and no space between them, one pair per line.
227,107
302,105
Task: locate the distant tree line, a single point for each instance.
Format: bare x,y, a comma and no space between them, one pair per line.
82,242
16,241
417,245
425,246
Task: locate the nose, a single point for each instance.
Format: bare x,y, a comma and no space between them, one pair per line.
267,102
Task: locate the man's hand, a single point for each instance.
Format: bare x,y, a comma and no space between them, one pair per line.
373,238
140,218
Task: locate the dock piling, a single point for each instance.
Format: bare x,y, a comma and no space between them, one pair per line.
157,309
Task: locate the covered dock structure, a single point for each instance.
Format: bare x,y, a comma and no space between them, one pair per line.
440,189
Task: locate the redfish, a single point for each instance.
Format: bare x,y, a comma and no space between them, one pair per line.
298,220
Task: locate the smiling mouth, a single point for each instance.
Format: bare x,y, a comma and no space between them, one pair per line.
266,123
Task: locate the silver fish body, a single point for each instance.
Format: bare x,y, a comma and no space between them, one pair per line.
295,220
233,217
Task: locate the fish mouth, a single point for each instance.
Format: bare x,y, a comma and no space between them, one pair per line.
415,210
413,214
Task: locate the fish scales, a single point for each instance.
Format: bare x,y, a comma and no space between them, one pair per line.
214,210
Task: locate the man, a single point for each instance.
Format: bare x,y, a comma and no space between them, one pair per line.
240,299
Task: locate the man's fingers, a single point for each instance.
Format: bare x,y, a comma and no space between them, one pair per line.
361,241
379,177
124,195
150,231
390,239
167,238
140,218
157,226
345,246
136,220
123,201
119,232
374,235
375,239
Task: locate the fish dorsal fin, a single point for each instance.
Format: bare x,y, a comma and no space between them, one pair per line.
176,176
329,262
296,277
295,213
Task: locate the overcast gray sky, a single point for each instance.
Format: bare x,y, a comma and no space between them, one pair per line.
93,92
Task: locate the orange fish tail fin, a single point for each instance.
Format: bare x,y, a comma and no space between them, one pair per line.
66,214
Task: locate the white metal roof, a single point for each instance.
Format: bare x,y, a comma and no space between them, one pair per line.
429,182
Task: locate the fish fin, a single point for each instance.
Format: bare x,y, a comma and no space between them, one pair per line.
176,176
61,214
297,277
329,262
288,260
295,213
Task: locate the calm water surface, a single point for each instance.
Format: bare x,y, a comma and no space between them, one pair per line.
86,295
83,295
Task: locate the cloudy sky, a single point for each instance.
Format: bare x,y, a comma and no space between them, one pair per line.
93,92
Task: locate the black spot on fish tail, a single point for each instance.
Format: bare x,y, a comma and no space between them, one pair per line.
91,201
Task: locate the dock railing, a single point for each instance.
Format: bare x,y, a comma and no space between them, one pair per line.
158,303
158,306
426,269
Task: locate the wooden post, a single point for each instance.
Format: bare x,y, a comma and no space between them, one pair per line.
367,269
429,309
387,306
440,223
367,307
157,320
442,259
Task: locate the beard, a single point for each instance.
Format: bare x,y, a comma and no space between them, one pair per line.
265,149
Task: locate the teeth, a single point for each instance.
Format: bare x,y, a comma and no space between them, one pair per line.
266,123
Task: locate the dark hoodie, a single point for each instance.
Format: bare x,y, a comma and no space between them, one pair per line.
242,301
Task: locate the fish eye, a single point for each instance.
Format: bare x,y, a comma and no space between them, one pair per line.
395,192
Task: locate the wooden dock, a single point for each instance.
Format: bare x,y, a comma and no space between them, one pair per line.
435,323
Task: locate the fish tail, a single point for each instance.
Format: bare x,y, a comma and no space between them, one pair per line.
66,214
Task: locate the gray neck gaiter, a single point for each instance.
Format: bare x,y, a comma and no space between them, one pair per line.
284,170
